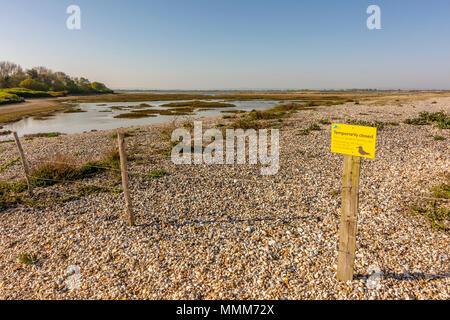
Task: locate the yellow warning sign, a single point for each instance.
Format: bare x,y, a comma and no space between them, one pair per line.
353,140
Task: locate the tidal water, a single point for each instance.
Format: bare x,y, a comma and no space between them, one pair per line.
99,116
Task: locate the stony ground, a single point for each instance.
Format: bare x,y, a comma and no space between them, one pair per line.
224,232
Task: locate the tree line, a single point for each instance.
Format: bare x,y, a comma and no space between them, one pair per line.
13,75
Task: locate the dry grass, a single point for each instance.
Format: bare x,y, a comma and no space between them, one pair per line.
198,104
411,97
58,167
311,97
320,97
43,134
64,168
146,113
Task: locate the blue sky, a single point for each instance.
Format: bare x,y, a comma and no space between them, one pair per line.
229,44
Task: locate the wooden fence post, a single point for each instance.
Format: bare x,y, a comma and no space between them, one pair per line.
24,163
124,171
349,215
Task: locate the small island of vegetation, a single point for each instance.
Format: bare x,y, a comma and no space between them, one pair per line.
16,84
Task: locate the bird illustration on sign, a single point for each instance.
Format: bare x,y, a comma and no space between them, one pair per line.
362,152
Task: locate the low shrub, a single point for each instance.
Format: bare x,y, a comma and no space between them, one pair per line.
264,115
32,84
42,135
198,104
245,123
437,214
27,93
11,193
111,160
8,164
307,131
314,127
7,98
441,119
442,191
376,124
62,168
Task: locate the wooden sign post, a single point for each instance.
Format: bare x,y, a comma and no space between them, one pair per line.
124,172
349,216
354,142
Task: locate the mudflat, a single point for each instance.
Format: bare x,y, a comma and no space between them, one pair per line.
16,111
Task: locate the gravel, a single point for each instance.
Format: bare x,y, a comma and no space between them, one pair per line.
209,232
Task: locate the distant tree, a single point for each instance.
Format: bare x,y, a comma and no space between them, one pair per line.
10,74
46,76
32,74
17,78
84,85
43,79
72,87
58,85
100,87
33,85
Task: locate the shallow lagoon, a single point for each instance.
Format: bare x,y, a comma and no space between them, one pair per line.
98,116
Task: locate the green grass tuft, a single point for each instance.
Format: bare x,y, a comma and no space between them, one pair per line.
11,193
27,258
8,164
438,215
157,174
442,191
440,119
376,124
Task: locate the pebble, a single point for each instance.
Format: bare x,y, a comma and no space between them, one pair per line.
205,232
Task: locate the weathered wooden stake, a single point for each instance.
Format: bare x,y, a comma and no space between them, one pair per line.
24,163
124,171
349,216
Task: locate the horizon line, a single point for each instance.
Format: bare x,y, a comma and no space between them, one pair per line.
284,89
